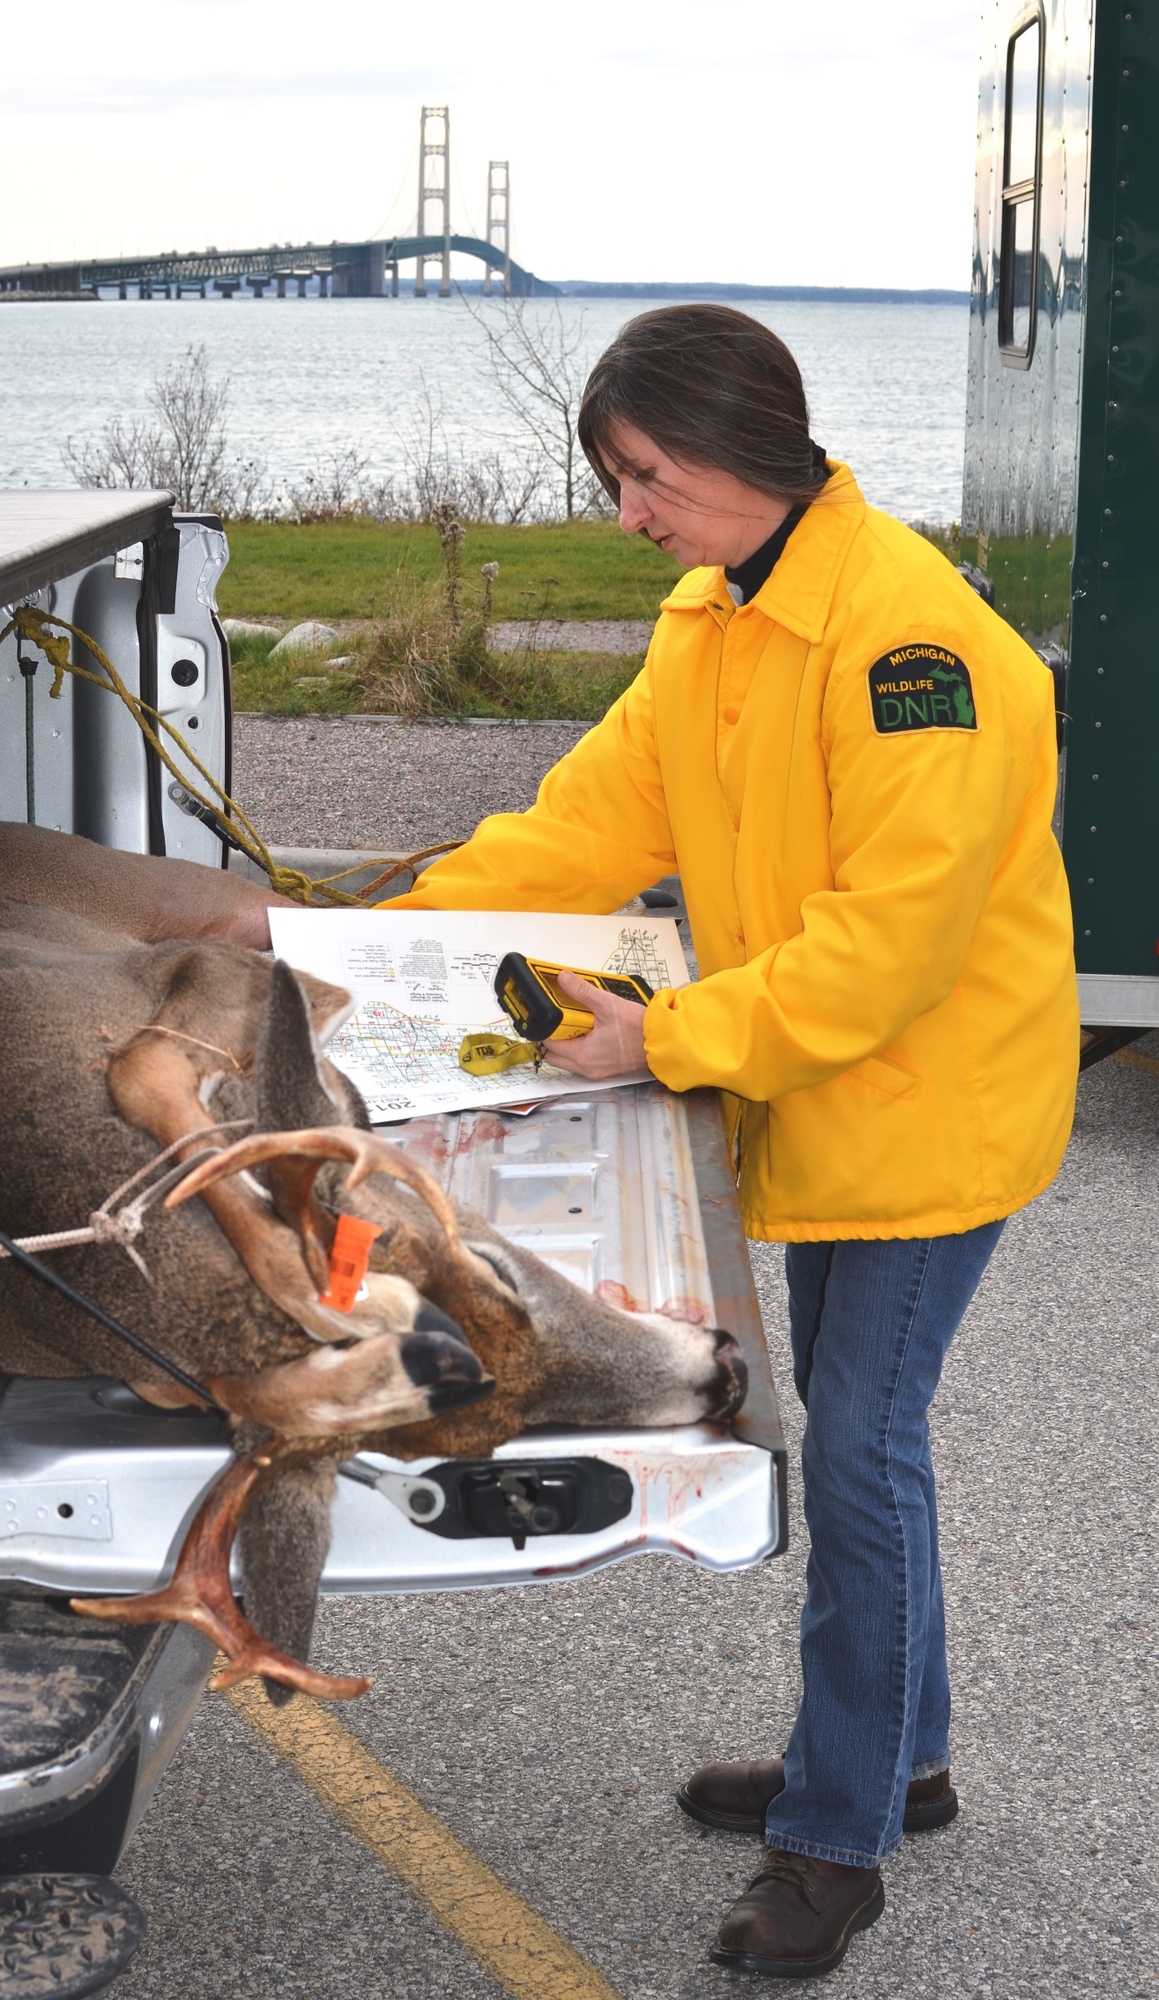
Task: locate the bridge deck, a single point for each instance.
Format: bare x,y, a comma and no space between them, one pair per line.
351,269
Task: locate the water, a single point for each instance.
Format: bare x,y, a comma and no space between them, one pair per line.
310,377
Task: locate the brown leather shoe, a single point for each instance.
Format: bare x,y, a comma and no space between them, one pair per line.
797,1916
735,1797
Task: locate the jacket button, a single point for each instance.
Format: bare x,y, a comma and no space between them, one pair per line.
731,714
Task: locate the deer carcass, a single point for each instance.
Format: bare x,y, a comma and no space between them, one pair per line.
114,1047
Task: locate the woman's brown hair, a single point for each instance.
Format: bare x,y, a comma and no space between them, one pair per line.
710,386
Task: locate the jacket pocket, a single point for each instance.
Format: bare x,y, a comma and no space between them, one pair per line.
885,1074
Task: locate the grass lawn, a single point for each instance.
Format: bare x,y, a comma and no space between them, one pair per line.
343,569
407,658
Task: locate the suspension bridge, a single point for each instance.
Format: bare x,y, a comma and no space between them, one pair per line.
352,270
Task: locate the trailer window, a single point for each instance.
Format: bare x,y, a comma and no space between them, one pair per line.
1021,179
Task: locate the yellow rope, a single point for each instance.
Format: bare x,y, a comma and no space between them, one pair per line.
32,625
155,1028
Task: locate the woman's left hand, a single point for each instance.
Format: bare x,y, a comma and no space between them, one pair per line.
616,1043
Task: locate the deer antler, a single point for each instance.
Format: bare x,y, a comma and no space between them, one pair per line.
368,1155
199,1592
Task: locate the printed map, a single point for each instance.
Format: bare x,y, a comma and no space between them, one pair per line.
638,952
401,1060
422,980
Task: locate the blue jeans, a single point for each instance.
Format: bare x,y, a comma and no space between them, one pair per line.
870,1325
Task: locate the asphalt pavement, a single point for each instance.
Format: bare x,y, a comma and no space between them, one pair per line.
548,1727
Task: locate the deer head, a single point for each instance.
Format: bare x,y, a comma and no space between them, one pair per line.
224,1035
394,1356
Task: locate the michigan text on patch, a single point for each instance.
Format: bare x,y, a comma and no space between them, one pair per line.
920,686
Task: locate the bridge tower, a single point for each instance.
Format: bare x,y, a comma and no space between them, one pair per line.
435,186
499,219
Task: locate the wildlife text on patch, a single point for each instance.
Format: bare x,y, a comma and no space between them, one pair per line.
920,686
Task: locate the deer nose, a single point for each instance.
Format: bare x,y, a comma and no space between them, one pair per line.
437,1358
429,1319
732,1375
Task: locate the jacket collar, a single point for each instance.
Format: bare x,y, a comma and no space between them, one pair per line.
799,593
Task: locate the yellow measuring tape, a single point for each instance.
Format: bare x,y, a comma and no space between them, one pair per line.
32,624
488,1055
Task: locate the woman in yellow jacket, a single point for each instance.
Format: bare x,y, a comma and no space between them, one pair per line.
851,762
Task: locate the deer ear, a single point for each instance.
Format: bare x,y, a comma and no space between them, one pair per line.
290,1092
328,1006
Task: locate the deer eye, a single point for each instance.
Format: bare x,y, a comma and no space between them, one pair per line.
503,1267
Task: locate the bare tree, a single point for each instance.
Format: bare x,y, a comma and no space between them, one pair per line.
192,409
182,447
438,481
539,366
129,452
335,486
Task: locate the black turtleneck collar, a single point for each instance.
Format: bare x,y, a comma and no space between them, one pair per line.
748,577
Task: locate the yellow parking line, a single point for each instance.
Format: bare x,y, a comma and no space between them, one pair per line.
1133,1060
497,1927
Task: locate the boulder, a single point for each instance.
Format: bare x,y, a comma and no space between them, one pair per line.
247,628
309,637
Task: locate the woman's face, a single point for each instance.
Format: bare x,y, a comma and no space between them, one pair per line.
698,513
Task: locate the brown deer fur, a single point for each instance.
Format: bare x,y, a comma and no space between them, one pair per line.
92,1089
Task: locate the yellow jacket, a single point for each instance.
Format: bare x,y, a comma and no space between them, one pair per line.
855,775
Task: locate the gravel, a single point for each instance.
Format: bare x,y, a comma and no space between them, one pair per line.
317,781
565,635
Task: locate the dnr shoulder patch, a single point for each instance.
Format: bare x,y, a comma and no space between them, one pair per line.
920,686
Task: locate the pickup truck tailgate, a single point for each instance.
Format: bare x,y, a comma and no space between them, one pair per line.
627,1188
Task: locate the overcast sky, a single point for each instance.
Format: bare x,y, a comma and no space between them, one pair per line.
763,141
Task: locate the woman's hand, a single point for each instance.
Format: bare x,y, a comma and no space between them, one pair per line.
616,1043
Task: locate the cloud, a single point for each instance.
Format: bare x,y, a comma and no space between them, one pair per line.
770,143
145,96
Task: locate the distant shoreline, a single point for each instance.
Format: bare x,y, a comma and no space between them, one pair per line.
848,295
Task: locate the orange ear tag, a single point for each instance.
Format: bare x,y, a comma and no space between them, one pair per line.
349,1257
